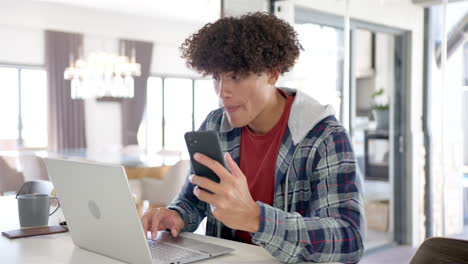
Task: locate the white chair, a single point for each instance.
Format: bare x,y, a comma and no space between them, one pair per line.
161,192
10,179
33,167
135,188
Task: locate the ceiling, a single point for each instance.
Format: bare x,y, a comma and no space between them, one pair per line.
432,2
180,10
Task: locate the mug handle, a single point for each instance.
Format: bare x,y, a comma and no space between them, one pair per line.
58,205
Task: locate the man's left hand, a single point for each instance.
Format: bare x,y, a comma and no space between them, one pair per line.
231,199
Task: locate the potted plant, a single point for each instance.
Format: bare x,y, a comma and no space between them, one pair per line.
380,109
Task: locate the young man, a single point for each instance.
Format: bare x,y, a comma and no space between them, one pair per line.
291,186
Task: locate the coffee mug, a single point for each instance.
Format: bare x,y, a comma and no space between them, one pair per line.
33,209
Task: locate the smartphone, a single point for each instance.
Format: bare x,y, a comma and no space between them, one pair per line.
35,231
207,143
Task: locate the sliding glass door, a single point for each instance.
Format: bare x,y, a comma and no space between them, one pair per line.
376,90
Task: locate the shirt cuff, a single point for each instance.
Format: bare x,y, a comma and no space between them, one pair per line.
181,213
267,225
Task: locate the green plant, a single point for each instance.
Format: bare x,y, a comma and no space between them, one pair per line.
379,100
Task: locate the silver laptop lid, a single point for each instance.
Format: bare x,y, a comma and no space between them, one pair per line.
99,209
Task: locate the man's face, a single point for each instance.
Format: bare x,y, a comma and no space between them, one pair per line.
244,97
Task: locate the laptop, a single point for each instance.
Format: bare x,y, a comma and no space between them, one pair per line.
101,214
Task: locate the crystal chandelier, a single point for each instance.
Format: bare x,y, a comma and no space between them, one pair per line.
103,75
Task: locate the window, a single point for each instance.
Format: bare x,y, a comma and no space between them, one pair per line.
23,108
9,106
154,116
34,108
177,112
174,106
206,100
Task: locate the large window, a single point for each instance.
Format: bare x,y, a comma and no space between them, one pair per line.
177,112
9,106
174,106
34,107
152,127
206,100
23,108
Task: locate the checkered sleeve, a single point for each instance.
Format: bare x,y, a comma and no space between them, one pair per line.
190,208
334,230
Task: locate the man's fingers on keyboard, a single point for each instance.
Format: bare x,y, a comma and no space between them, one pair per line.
174,232
155,225
144,225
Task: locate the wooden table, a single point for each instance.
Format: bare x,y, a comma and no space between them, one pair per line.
137,166
59,248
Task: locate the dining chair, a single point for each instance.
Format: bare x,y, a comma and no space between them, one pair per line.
33,167
10,179
136,190
162,192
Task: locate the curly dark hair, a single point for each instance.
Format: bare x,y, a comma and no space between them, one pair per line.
255,42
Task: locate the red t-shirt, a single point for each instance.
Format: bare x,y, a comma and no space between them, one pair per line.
258,154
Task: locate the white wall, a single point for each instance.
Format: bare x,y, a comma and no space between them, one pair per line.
404,15
166,60
241,7
21,45
22,25
103,119
41,15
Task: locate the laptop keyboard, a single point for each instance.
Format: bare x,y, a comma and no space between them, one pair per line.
169,253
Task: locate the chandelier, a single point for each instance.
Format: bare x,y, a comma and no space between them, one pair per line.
102,74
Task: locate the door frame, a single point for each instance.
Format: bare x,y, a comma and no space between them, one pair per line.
400,134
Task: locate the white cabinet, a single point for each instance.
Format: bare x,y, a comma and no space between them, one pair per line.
364,57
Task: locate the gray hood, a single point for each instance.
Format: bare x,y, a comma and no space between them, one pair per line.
306,112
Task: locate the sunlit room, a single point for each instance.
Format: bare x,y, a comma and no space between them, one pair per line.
234,131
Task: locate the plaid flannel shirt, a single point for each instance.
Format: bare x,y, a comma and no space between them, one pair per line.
324,217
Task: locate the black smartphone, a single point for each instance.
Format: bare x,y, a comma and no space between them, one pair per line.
207,143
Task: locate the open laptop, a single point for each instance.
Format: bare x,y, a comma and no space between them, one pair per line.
101,215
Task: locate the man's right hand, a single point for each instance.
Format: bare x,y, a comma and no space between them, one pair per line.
156,219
